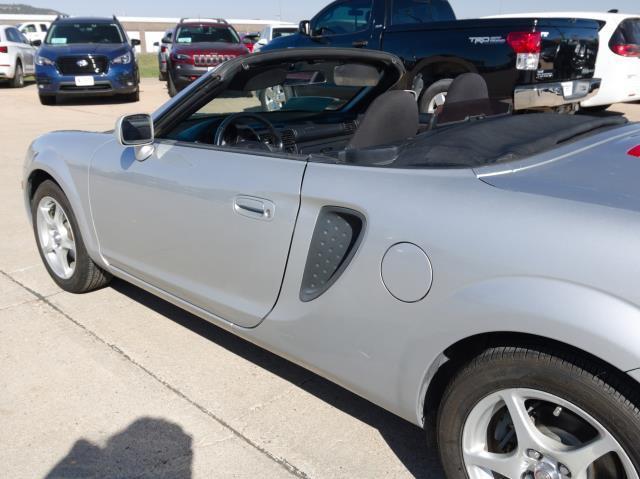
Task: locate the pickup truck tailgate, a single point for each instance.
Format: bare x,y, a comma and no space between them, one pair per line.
569,49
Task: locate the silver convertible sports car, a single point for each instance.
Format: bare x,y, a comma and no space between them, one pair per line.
474,272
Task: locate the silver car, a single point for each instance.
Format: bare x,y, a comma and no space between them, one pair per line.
473,272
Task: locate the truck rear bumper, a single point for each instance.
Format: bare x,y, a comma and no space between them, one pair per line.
551,95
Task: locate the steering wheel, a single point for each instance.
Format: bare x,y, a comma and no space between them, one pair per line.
221,132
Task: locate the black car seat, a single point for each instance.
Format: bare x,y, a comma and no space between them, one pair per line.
392,117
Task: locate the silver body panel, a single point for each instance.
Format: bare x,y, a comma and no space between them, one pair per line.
512,248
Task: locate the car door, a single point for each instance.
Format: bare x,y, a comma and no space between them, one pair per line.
29,54
210,226
346,23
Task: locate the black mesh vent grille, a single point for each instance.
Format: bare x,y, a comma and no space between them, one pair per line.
289,141
335,240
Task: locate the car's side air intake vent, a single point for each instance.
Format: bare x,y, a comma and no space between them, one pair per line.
335,240
289,141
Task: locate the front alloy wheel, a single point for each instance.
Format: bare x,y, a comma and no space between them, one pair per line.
531,413
60,243
56,238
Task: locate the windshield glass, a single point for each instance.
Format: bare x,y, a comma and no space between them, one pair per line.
206,34
71,33
306,87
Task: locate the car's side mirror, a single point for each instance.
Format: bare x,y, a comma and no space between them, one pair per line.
135,42
36,43
136,130
166,39
263,41
156,44
304,28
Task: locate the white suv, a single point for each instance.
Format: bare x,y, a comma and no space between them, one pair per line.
17,56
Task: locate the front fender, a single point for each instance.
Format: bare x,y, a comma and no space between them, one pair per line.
594,321
65,156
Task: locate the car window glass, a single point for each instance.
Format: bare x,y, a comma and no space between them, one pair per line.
29,29
74,33
420,11
13,35
283,32
206,33
24,39
343,18
628,32
43,27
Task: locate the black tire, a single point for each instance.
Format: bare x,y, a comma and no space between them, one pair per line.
441,86
18,77
605,395
87,276
171,86
596,109
132,97
48,100
162,76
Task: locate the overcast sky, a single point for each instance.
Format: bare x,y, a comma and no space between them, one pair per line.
295,10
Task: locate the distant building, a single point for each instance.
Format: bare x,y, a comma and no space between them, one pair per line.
148,30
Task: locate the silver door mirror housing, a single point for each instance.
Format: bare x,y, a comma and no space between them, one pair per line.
137,131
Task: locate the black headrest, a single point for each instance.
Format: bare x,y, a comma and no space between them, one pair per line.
467,87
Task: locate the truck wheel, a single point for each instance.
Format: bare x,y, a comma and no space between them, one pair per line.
434,96
60,244
48,100
18,76
528,413
171,87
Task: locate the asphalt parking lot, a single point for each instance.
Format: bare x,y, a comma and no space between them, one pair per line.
120,384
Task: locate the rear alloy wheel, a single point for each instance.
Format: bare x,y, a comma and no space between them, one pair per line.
60,243
526,414
18,77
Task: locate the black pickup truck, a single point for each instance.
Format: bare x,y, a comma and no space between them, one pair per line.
536,63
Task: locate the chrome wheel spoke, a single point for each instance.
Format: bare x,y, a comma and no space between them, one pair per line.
507,465
529,437
579,459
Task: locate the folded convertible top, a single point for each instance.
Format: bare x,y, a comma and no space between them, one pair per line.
490,141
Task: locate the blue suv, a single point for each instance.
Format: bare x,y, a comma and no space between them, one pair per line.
87,57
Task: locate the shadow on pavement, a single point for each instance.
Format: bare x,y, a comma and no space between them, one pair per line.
407,441
147,448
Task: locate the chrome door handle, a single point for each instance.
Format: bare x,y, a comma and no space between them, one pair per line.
255,208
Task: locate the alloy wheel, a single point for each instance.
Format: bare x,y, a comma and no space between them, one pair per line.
56,237
530,434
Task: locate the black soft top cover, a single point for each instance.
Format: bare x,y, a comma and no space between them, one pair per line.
489,141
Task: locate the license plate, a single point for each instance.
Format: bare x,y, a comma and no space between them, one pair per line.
567,89
85,81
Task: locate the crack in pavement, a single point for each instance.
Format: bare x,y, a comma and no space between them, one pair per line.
278,460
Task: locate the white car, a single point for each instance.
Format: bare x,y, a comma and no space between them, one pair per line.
618,63
274,30
17,56
35,31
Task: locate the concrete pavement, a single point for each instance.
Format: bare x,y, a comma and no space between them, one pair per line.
118,383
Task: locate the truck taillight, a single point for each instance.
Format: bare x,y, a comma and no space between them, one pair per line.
163,49
4,49
626,50
527,46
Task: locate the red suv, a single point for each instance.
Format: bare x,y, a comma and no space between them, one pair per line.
197,47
